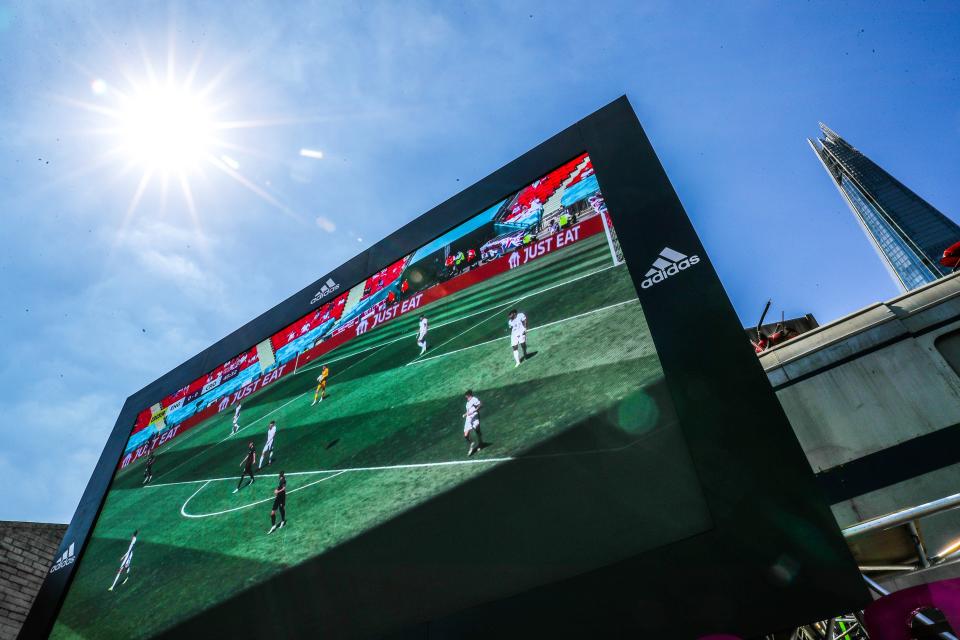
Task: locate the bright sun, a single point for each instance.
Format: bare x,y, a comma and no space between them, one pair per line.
165,128
170,126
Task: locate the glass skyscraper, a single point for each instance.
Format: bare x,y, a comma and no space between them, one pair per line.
908,233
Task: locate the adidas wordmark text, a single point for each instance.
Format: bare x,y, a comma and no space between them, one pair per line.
668,263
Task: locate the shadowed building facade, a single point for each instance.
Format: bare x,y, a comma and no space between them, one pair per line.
26,553
908,232
874,399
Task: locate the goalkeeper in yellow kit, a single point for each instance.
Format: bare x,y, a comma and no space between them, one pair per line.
321,392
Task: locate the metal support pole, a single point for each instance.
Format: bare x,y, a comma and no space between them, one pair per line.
831,629
853,626
918,544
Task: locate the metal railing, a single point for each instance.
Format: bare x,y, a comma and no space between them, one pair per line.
904,516
908,517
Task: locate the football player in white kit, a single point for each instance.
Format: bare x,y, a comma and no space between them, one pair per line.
268,447
236,420
471,424
518,335
422,335
125,561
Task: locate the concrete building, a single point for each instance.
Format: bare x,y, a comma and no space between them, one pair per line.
26,553
874,399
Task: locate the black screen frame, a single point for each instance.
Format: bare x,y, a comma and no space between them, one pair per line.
752,573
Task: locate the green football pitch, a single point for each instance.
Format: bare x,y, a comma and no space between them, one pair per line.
388,436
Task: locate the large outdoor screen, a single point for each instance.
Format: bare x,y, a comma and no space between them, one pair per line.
528,411
510,354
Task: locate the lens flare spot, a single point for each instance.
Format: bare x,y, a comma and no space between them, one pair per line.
637,413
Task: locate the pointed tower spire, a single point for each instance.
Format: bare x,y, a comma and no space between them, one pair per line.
908,233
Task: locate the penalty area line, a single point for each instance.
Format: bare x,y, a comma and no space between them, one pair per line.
219,442
412,465
183,509
542,326
257,420
407,336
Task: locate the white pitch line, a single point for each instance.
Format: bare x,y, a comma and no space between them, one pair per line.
420,357
419,360
407,336
183,509
219,442
375,352
192,495
338,359
266,415
412,465
384,344
505,304
542,326
177,441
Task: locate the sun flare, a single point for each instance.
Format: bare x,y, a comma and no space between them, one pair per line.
165,128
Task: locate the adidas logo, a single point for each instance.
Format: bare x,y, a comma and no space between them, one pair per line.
328,287
668,263
65,560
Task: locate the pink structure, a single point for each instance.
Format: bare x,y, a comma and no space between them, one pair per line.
889,617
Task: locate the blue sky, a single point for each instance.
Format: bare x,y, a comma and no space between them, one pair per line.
410,102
